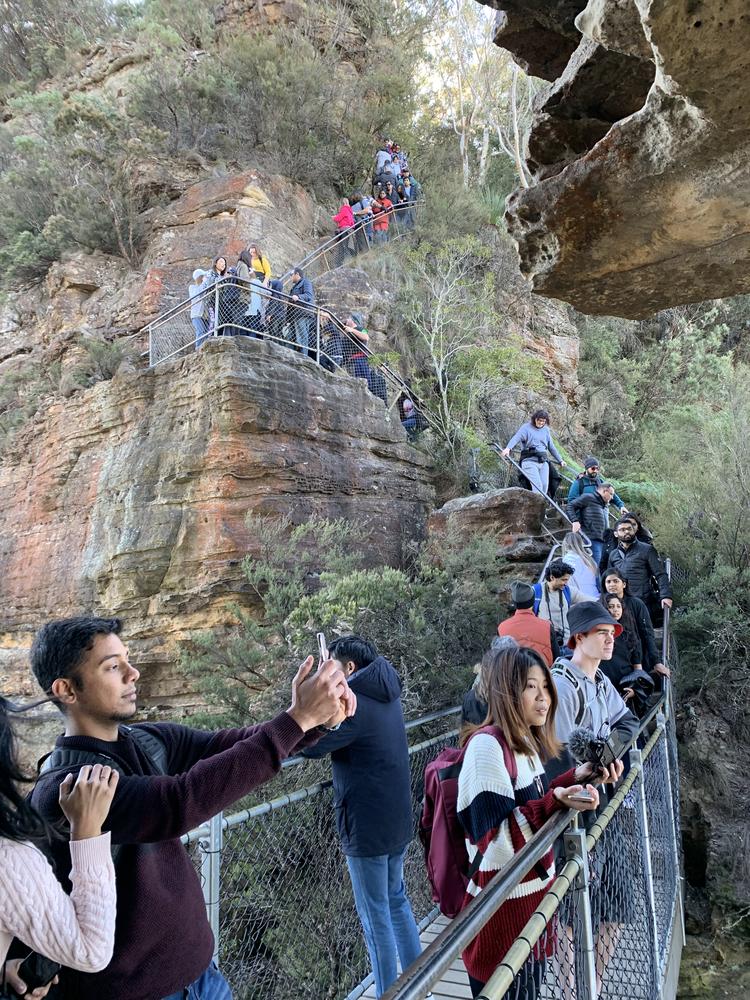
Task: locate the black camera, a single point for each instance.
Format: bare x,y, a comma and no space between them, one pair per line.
587,748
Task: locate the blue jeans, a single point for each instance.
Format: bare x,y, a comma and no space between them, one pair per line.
302,334
385,913
210,986
597,548
200,325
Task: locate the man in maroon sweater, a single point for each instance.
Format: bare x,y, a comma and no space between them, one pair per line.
163,943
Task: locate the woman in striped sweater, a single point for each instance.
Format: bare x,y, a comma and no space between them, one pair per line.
504,798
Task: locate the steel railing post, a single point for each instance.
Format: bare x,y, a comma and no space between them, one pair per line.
317,335
211,848
661,723
583,944
635,758
216,309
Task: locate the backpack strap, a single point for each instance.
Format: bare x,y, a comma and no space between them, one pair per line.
152,746
561,668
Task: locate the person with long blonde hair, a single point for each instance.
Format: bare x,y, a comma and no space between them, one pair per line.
504,797
586,575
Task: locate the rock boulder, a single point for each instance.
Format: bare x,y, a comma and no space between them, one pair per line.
640,152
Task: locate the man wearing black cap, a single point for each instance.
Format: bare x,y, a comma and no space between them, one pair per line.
587,482
585,696
526,628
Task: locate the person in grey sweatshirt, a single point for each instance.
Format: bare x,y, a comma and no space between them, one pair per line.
535,441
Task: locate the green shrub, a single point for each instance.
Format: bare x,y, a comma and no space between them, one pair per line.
432,621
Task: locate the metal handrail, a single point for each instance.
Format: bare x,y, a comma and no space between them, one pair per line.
547,498
227,822
306,261
359,227
313,310
438,957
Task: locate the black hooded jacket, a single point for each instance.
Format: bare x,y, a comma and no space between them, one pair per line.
370,764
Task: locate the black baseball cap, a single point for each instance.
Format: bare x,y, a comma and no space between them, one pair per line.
587,615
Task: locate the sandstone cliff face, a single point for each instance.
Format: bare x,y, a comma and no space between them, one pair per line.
130,498
639,151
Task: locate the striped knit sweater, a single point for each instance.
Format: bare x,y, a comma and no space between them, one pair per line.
499,816
76,930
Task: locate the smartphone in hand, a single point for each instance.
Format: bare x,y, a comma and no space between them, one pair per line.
322,647
582,796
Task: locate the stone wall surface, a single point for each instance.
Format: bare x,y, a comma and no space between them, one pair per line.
639,151
131,498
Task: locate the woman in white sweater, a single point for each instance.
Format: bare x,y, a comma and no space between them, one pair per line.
77,930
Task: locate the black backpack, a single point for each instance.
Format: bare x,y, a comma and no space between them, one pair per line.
61,759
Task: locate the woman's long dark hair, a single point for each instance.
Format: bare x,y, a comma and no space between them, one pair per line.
628,624
18,820
503,677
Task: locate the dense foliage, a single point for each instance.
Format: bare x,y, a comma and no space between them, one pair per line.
432,620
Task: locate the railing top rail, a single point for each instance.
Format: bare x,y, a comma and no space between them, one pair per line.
318,787
304,264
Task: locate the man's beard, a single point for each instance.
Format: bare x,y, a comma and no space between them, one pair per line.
123,716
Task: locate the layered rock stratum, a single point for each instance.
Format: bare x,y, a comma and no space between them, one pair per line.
639,151
130,499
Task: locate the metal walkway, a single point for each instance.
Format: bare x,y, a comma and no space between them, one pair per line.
454,985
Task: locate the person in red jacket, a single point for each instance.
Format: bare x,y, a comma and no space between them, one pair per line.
381,210
344,220
526,628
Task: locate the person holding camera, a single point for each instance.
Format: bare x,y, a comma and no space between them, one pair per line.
535,441
372,796
172,779
504,797
76,930
587,698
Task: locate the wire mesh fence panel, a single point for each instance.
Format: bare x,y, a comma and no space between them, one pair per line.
662,843
621,909
289,927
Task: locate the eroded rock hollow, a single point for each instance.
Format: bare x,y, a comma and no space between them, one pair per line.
639,151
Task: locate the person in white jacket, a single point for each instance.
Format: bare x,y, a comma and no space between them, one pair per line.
78,930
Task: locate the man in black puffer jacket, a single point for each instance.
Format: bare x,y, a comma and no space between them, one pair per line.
639,562
372,796
590,511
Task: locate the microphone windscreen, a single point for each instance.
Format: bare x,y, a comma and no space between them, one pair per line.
579,742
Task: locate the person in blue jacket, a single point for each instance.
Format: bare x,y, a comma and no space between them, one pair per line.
372,797
588,481
302,319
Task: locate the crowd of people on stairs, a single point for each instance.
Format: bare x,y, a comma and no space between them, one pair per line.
619,567
245,299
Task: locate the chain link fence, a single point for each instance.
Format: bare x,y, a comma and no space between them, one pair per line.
277,889
605,929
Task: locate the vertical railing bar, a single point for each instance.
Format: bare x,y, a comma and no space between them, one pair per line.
211,848
584,946
635,758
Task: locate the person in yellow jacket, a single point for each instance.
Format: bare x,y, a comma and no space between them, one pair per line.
259,263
